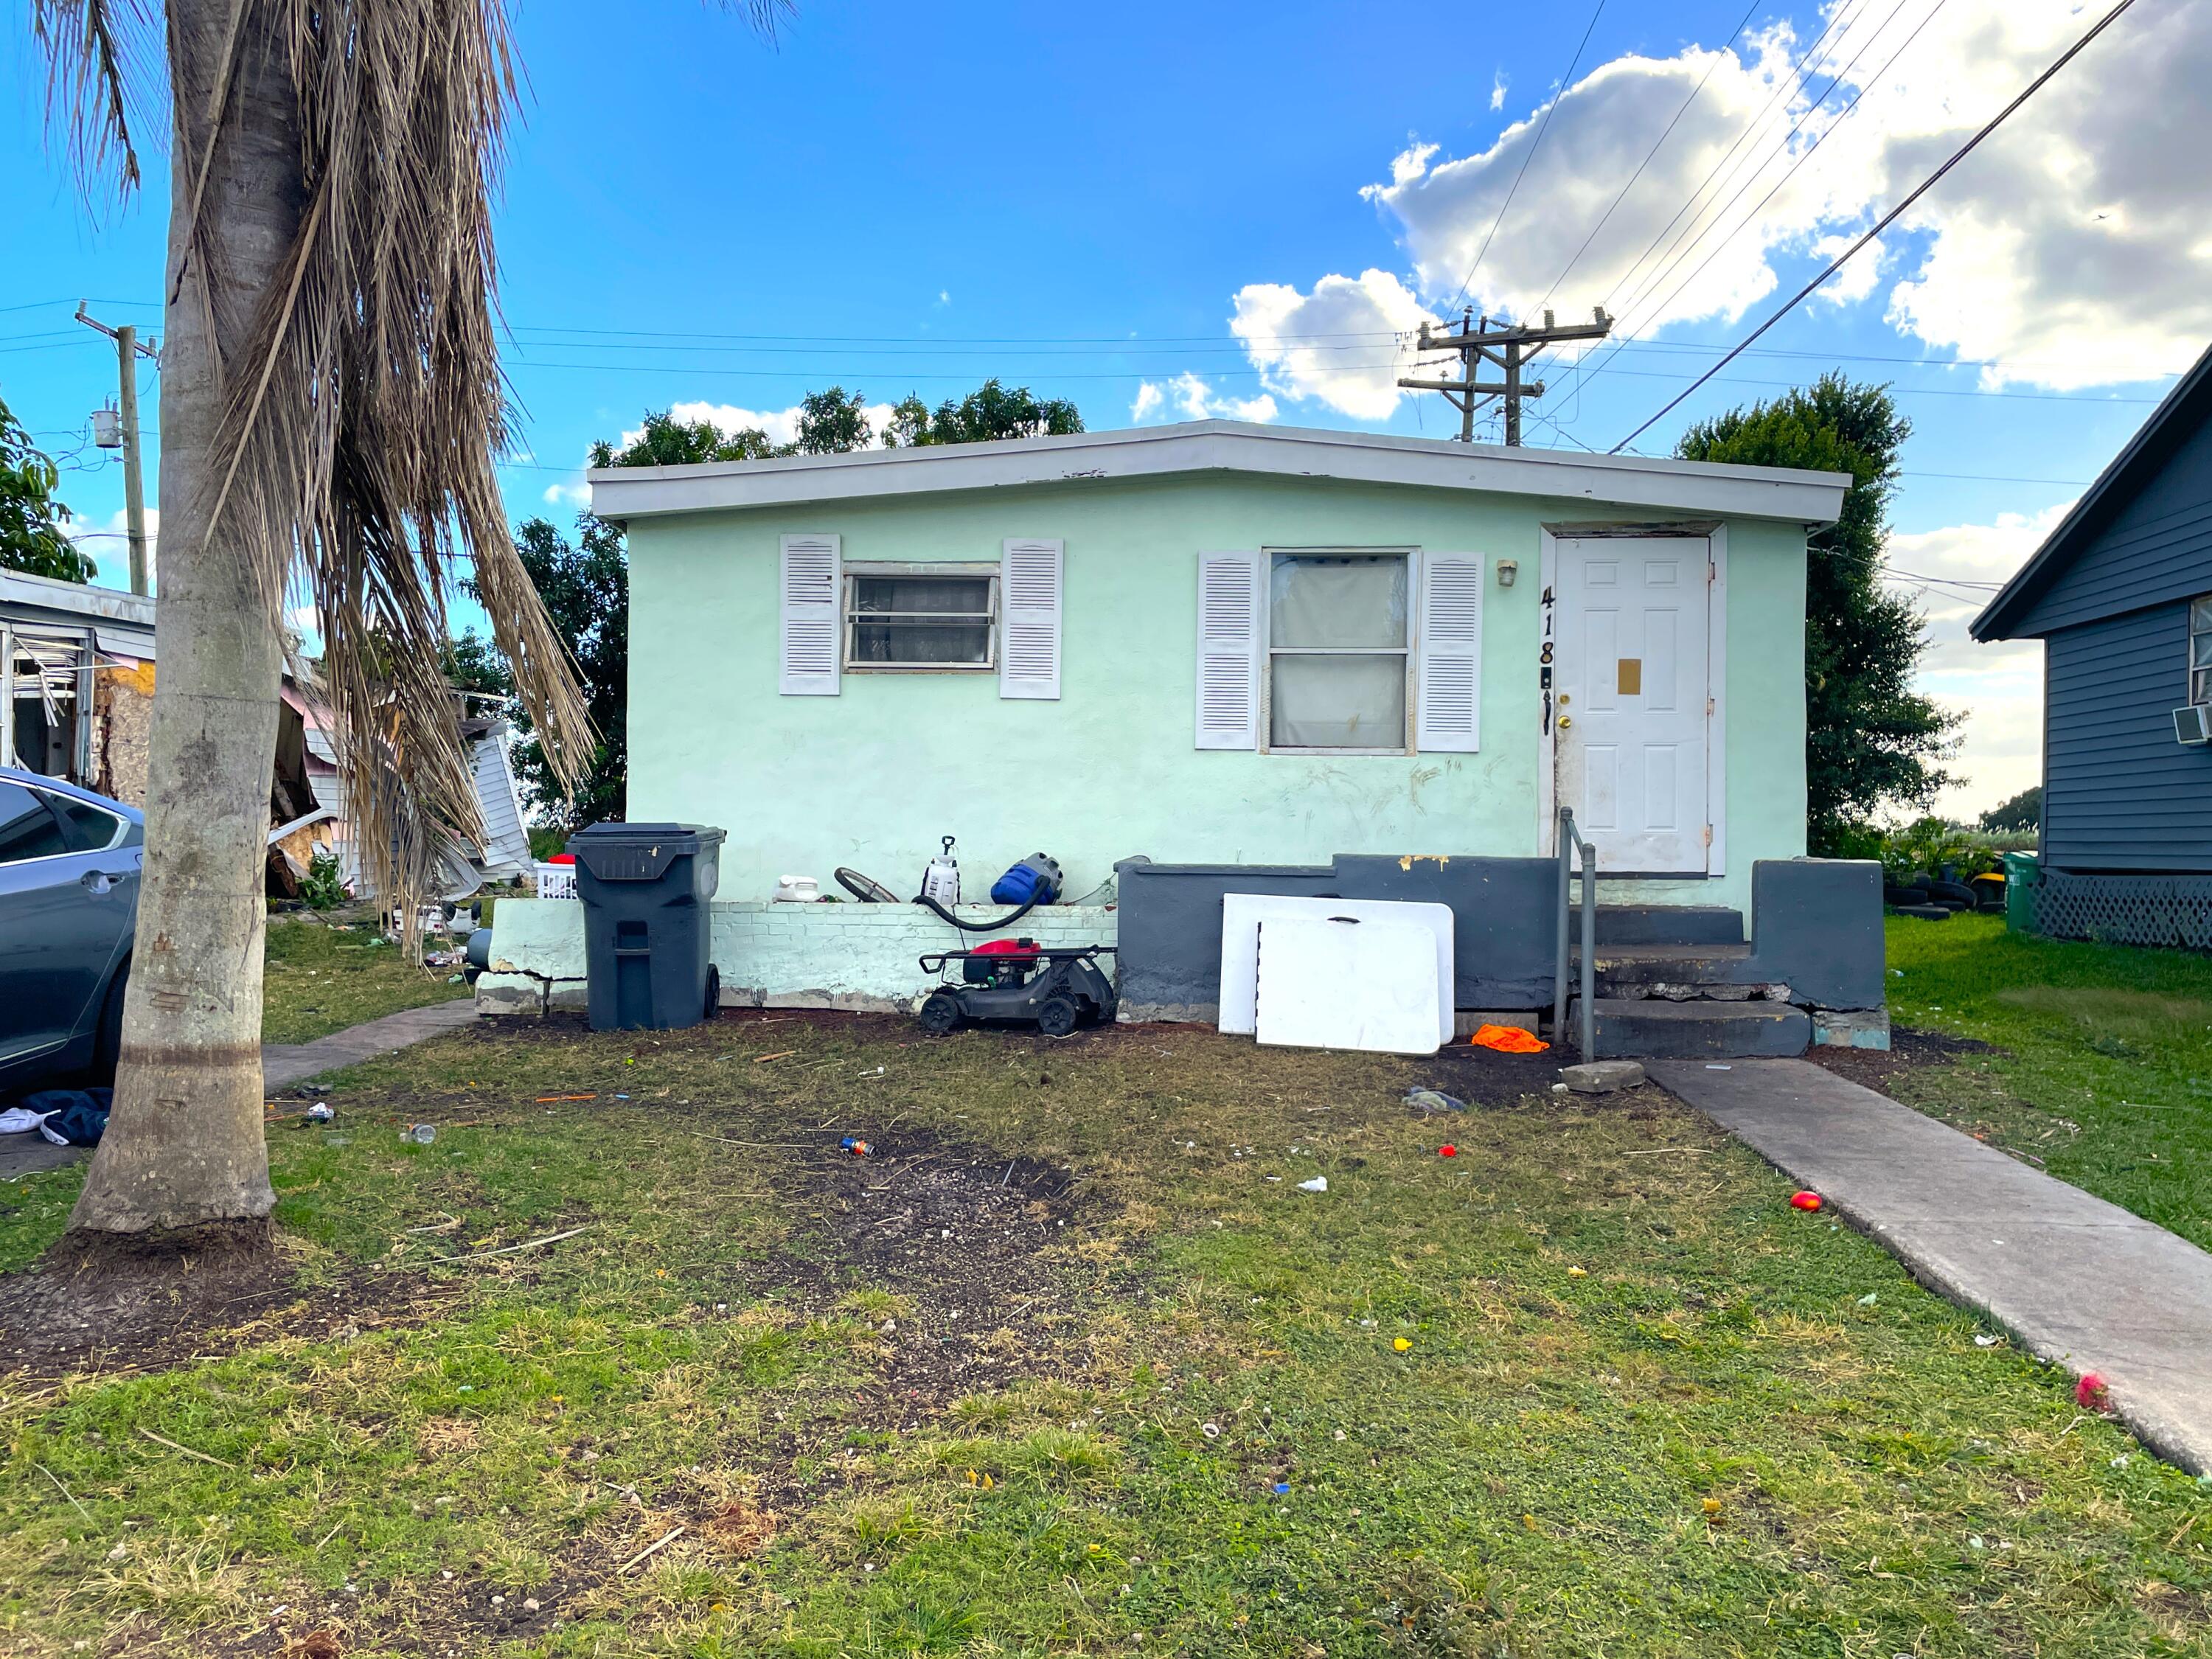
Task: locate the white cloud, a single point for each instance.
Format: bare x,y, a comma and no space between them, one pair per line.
577,493
1498,90
1333,344
1997,687
944,297
1191,398
2070,244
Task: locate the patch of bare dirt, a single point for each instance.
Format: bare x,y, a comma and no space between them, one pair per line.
113,1309
1483,1077
1909,1050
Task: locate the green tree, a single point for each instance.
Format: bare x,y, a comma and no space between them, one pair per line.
585,584
2023,811
30,519
831,423
1871,741
990,412
667,441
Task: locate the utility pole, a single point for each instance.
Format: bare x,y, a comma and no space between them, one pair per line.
1507,346
127,353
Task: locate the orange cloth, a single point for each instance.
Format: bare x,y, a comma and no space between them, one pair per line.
1507,1040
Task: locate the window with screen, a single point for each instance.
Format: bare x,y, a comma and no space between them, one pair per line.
2200,650
920,620
1337,645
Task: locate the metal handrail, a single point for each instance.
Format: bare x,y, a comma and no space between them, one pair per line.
1570,839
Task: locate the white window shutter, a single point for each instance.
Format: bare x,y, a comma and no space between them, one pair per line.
811,574
1029,628
1228,611
1449,717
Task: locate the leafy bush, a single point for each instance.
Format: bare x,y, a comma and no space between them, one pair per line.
1925,847
322,888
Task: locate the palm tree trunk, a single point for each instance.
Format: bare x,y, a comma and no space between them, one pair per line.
185,1155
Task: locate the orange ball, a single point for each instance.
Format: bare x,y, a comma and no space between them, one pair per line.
1805,1200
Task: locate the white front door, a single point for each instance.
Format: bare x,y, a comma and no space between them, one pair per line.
1631,718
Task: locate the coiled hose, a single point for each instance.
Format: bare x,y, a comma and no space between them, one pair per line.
869,890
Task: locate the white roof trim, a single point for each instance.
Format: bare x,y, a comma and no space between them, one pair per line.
1699,486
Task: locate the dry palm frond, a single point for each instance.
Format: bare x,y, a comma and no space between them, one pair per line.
365,412
93,78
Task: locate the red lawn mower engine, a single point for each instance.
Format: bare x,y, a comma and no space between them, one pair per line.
1001,962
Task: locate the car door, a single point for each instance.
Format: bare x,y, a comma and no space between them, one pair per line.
64,912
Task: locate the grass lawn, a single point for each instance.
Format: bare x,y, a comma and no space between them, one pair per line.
1069,1364
2104,1072
321,978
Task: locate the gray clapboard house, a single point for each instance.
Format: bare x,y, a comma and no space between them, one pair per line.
2120,594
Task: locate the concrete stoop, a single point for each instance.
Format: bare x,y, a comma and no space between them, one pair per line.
1626,1029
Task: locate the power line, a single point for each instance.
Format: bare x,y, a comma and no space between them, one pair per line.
1696,233
1806,155
1543,125
1887,219
1656,144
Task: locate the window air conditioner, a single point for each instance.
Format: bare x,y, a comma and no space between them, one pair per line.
2192,725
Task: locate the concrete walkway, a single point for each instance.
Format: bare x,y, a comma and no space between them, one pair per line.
2080,1282
283,1065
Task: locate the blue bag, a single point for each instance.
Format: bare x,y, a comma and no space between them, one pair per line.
1036,878
78,1116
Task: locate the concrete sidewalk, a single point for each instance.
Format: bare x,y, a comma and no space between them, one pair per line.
283,1065
2080,1282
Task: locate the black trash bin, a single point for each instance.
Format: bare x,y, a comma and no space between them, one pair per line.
648,922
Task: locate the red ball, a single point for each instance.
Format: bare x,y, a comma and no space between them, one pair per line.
1805,1200
1446,1151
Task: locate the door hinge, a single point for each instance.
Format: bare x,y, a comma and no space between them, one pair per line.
1708,834
1712,708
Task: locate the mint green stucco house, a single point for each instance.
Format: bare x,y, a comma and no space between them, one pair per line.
1220,643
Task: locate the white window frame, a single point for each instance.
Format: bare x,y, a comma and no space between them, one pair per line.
1409,652
964,570
2195,634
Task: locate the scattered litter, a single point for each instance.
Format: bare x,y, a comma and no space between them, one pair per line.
509,1250
421,1134
878,1071
1401,1343
1578,1273
1507,1040
1711,1506
1446,1151
854,1145
320,1112
1805,1200
1281,1486
2092,1394
1211,1430
1318,1184
658,1544
782,1054
1712,1065
1983,1340
1868,1299
1432,1101
1558,1088
622,1097
547,1099
2121,1461
201,1456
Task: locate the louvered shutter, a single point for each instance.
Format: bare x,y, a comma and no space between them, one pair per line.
1448,719
810,576
1029,637
1228,611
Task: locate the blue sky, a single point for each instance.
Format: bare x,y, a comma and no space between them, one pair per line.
901,198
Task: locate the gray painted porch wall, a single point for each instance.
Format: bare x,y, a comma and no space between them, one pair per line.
2119,793
2157,549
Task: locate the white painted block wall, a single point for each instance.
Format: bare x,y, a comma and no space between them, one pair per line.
858,957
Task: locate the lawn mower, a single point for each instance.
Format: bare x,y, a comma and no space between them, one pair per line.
1017,981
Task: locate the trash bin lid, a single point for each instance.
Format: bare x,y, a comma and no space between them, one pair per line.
639,851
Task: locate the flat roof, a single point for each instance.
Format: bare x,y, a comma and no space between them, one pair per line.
1704,487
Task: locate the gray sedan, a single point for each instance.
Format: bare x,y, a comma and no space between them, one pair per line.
68,912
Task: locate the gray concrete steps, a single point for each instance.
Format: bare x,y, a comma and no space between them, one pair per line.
1668,924
1650,1029
1619,965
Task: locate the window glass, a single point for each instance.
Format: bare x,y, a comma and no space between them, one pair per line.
86,827
1333,603
27,830
2200,650
1337,644
920,621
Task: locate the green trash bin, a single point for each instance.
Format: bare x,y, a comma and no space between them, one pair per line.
2022,873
